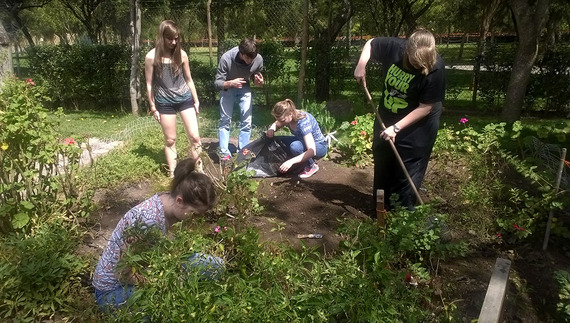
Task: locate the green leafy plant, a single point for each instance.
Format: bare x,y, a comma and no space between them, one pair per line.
263,282
40,273
562,277
39,168
359,133
521,189
237,190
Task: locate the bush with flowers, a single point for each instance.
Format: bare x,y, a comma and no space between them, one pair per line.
38,167
357,146
41,200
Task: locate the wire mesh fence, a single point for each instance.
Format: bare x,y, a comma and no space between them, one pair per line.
230,20
281,20
551,157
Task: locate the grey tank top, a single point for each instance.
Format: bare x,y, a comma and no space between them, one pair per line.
169,89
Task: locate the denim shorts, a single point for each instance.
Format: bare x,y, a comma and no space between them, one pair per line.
172,108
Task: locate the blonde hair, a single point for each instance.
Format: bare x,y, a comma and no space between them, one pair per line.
420,52
285,108
167,29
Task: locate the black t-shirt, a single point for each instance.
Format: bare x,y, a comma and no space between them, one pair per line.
405,90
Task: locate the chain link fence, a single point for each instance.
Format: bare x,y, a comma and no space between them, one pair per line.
281,21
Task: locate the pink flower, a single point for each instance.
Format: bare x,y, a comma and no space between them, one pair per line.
515,226
68,141
363,133
225,228
355,122
30,82
499,235
217,229
226,157
463,120
245,151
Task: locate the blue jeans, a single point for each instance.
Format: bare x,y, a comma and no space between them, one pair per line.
108,301
298,147
210,268
227,99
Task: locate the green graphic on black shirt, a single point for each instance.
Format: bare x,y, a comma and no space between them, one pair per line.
396,88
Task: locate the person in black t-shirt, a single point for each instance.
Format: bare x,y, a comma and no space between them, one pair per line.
414,88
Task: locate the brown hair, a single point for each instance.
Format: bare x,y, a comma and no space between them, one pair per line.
167,30
285,108
195,188
420,52
248,47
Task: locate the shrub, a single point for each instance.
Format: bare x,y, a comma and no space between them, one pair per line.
38,167
519,195
263,282
203,76
359,133
544,90
274,66
40,274
82,76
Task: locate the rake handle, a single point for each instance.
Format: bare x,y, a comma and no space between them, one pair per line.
400,161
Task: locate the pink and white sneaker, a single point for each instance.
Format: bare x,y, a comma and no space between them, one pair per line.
309,171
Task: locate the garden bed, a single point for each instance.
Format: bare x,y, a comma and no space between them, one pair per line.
293,206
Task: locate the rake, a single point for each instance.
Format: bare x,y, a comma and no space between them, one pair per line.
383,127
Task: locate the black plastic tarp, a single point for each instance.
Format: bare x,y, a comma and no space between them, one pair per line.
264,156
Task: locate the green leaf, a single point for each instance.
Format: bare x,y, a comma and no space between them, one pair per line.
20,220
27,205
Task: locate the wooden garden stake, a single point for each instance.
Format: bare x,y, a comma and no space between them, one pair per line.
556,187
380,210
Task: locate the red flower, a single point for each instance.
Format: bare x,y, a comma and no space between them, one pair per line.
363,133
245,151
226,157
521,228
499,235
408,278
30,82
68,141
354,122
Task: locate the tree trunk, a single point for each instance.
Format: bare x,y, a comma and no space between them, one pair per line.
5,54
322,79
23,28
529,21
461,47
324,39
134,82
304,45
209,20
488,13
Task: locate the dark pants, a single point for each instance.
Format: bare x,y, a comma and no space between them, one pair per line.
414,145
